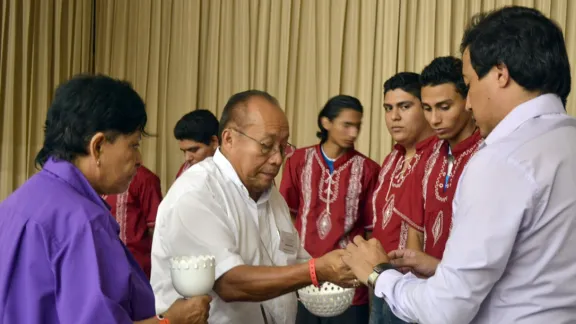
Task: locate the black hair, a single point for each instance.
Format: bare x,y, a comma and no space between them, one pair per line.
199,126
529,44
84,106
231,112
332,109
406,81
445,69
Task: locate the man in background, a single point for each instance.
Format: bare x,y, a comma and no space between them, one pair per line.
444,102
197,135
414,138
326,188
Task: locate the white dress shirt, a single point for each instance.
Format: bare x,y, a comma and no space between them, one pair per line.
511,256
209,211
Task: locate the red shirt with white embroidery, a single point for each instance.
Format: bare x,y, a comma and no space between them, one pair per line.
390,226
135,211
431,209
329,206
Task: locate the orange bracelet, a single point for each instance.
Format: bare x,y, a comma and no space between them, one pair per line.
312,268
162,320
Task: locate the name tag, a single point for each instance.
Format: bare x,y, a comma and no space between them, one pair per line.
288,242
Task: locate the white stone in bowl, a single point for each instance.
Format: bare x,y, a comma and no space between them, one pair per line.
327,301
193,275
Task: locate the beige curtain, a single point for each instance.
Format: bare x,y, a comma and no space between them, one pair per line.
41,44
186,54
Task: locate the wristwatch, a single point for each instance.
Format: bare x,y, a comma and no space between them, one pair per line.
378,269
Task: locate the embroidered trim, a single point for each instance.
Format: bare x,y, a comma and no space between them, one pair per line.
437,227
306,180
383,172
428,169
353,194
409,221
398,176
387,212
122,213
444,169
403,235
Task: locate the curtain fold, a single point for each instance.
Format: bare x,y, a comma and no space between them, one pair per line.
42,43
182,55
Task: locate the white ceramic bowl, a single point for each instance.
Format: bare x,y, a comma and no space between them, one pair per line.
193,276
328,300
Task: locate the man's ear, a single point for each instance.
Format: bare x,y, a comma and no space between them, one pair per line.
214,142
95,145
502,75
326,123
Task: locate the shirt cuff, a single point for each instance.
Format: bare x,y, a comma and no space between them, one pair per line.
230,262
385,283
384,288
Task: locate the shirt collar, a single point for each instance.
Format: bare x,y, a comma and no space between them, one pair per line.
70,174
229,172
542,105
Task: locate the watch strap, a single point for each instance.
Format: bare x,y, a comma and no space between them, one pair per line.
383,267
371,282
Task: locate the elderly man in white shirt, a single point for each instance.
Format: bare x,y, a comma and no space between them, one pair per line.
511,255
227,206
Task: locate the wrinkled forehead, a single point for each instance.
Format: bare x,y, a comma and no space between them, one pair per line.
267,120
274,130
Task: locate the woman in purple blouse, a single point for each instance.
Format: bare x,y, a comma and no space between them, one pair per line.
61,260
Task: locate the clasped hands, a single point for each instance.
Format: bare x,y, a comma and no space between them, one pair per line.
355,263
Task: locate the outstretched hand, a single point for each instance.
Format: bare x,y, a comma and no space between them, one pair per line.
419,263
331,268
364,256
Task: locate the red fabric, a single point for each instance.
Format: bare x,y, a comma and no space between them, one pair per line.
135,211
390,226
325,227
431,209
183,168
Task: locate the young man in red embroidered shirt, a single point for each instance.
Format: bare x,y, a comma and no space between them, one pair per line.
135,211
444,103
197,135
326,187
413,136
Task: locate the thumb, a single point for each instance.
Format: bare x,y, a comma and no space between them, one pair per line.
404,262
396,254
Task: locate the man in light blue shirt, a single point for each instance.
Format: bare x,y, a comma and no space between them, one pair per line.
510,257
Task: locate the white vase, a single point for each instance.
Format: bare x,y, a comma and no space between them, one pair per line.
193,275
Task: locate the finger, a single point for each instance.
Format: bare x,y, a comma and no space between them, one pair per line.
207,298
405,262
404,270
343,252
358,240
351,248
374,242
396,254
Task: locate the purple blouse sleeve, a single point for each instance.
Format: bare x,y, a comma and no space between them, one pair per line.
92,278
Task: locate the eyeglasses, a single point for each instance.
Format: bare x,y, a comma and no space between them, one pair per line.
285,150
